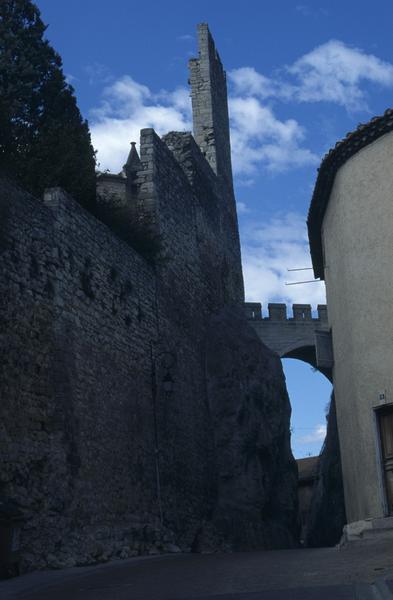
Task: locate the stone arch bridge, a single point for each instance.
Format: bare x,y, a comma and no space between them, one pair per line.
301,336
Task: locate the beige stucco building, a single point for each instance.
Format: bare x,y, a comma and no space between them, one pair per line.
351,239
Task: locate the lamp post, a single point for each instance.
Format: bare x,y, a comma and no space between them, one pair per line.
168,360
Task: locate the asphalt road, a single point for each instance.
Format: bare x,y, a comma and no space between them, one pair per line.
307,574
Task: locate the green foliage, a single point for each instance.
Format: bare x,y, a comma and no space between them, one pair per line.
44,141
139,232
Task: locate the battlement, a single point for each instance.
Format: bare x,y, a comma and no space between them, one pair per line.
301,336
278,312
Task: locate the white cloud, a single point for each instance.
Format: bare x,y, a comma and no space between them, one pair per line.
70,78
242,208
268,250
247,81
179,99
317,435
127,107
244,181
185,38
332,72
97,73
303,9
259,139
308,11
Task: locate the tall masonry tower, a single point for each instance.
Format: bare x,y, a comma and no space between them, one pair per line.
210,106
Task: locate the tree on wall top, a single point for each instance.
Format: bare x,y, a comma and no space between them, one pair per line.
44,141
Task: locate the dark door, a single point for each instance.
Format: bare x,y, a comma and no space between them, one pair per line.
386,432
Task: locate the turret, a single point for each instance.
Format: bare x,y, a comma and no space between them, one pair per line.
133,163
130,170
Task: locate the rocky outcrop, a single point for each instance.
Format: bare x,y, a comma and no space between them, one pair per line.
256,504
327,512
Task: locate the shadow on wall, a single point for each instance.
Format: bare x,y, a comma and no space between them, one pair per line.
327,512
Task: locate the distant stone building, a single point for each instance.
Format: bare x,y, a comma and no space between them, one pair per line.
351,238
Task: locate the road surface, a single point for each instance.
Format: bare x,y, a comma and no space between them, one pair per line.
306,574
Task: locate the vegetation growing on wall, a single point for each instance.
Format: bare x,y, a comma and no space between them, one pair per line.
44,140
139,231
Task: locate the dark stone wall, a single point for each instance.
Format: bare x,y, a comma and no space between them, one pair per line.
327,512
84,319
217,235
257,474
77,316
82,314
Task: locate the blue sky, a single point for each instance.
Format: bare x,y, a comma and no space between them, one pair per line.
300,75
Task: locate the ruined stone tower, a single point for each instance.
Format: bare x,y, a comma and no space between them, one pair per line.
210,106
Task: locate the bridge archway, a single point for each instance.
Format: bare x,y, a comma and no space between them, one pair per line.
294,337
307,354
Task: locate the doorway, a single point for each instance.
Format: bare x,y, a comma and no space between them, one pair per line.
385,423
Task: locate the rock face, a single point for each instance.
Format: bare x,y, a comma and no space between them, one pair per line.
256,472
327,513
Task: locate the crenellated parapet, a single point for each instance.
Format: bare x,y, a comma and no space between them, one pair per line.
278,312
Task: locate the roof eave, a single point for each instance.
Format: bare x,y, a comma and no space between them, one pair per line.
364,135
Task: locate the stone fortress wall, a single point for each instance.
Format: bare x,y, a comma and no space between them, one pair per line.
86,323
